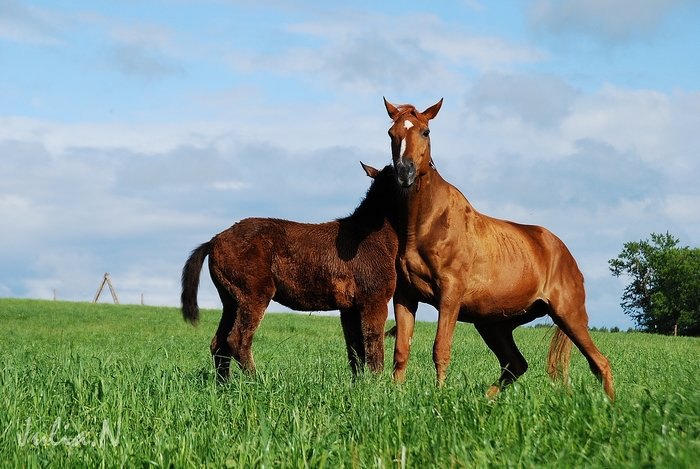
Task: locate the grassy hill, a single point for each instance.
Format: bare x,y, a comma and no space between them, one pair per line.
88,385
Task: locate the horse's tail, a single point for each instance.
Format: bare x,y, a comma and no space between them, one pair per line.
559,356
391,332
190,283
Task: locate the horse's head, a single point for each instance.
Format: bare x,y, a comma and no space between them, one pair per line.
410,140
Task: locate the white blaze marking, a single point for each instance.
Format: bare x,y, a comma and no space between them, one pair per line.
407,124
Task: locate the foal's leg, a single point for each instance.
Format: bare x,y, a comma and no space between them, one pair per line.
352,330
405,315
220,350
573,320
250,313
499,338
373,320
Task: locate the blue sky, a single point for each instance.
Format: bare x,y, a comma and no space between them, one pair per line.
130,132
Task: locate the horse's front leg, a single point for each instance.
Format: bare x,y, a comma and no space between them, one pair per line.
405,315
442,348
373,320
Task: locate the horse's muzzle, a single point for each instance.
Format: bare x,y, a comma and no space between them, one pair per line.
405,173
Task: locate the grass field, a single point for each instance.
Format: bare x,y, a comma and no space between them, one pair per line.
102,385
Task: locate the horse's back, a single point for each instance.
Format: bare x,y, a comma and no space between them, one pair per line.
244,250
534,242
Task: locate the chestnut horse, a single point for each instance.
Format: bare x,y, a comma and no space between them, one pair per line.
347,265
474,268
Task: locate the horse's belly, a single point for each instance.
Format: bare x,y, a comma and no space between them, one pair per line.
316,294
490,306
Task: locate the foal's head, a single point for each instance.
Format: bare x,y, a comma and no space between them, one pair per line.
382,193
410,140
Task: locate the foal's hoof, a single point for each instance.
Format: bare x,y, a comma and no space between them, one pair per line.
493,392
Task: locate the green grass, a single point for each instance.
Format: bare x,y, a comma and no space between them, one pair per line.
102,385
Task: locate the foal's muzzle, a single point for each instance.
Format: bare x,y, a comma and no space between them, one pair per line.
405,173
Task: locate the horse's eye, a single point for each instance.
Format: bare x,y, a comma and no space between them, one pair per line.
426,132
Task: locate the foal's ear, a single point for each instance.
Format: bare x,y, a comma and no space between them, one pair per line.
432,111
390,108
369,170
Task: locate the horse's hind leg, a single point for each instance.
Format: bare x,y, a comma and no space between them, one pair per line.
499,338
352,330
220,349
574,322
240,340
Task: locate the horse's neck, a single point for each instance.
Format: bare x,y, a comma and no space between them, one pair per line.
433,197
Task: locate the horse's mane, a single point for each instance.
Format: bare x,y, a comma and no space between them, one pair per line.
405,109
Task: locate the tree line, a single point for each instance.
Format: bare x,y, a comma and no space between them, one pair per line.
663,293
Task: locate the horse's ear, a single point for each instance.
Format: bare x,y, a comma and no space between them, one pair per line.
432,111
391,109
369,170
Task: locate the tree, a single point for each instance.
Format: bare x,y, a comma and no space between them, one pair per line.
663,295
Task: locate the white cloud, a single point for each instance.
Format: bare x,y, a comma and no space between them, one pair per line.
609,21
653,126
142,61
481,52
230,185
359,53
475,5
683,209
538,99
143,50
58,137
29,24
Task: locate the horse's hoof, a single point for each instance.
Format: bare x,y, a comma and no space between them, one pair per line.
493,392
399,375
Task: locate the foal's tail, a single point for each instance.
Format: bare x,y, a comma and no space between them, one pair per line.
559,356
190,283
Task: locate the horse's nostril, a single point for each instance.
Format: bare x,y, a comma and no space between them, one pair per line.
405,172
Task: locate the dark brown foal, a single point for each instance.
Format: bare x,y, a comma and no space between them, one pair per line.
347,265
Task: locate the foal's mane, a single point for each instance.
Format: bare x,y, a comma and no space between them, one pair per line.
374,202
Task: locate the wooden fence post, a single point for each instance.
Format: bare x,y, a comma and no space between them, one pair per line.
106,280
